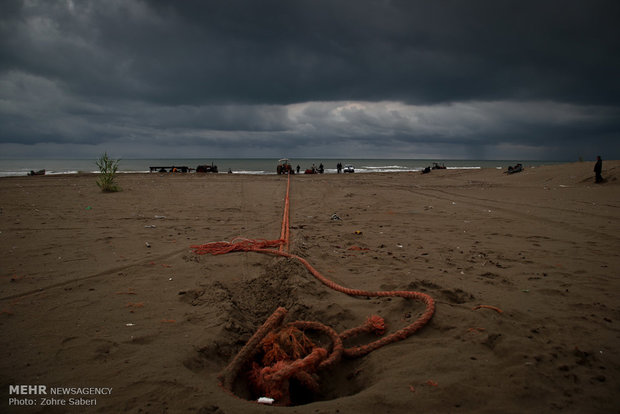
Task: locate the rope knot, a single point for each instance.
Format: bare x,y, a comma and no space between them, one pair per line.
273,381
377,323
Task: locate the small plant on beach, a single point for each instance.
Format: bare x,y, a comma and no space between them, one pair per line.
107,169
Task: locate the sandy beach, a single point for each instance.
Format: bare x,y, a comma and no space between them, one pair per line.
102,290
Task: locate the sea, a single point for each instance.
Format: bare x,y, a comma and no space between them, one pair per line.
19,167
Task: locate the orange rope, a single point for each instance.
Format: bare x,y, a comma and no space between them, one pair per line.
285,232
250,349
396,336
495,308
273,380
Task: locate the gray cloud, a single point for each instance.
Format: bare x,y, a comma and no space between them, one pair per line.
316,78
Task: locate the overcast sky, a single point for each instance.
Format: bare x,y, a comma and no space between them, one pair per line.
318,78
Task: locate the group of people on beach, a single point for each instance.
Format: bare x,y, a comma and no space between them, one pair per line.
312,170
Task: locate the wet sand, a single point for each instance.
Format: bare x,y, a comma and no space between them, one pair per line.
102,290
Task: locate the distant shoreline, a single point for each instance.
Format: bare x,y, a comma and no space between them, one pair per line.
252,166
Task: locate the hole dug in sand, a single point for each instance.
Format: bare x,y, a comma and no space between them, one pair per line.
346,378
246,305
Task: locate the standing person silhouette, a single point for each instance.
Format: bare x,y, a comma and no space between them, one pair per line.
598,167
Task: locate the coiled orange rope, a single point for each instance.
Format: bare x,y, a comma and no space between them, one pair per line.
273,380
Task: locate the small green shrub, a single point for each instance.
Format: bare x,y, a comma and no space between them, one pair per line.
107,168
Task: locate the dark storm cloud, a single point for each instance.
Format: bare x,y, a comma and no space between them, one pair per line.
414,51
445,77
296,51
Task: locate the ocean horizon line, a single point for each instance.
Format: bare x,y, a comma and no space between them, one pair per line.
255,165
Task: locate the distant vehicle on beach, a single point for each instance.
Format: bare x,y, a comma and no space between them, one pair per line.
206,168
516,169
284,167
436,166
349,168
